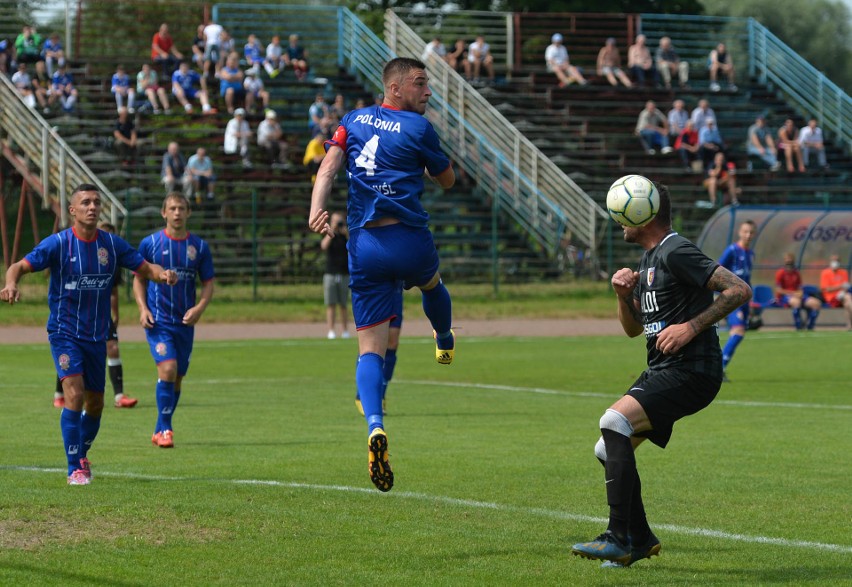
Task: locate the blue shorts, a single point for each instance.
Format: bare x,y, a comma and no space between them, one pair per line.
379,260
236,86
188,93
171,342
72,357
739,317
396,322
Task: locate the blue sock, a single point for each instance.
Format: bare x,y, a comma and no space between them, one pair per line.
390,363
438,308
165,405
812,316
89,427
368,378
730,347
797,319
69,422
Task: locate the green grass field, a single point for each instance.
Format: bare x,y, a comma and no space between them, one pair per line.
495,476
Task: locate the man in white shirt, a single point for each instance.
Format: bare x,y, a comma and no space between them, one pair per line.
811,140
556,59
237,135
212,43
434,47
270,138
479,56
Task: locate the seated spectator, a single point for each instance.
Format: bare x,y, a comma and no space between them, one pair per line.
315,152
163,51
237,135
122,91
5,55
318,114
41,85
231,82
62,90
53,53
173,170
296,56
255,91
274,62
834,285
810,138
686,145
124,137
146,85
788,142
253,53
710,142
641,64
197,47
556,59
28,46
760,144
789,293
270,138
338,109
652,128
24,84
212,48
458,55
701,113
201,176
609,64
678,117
721,62
479,57
183,88
721,174
227,45
434,47
669,63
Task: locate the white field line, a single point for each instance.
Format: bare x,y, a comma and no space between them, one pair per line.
468,503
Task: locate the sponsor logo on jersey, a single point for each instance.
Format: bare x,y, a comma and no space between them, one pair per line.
654,328
64,362
191,252
369,119
161,349
185,273
103,256
649,276
89,282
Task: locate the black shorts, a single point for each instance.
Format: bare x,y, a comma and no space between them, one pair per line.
667,395
113,331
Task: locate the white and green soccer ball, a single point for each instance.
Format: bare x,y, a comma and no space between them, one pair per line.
633,200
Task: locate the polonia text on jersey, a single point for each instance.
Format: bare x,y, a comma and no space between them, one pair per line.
388,125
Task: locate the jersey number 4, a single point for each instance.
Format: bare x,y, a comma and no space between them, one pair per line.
367,158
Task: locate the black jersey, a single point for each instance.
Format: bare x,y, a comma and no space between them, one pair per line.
672,290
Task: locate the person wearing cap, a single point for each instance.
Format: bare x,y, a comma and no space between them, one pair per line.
237,135
270,138
609,64
255,91
760,144
556,59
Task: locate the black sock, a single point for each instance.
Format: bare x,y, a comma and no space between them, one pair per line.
116,375
640,531
620,477
58,385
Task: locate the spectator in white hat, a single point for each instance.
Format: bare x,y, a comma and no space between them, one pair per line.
556,59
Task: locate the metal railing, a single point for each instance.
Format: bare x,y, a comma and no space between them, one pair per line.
58,167
528,185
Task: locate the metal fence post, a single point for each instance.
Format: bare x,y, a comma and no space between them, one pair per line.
254,245
495,210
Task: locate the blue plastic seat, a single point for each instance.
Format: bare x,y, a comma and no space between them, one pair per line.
762,296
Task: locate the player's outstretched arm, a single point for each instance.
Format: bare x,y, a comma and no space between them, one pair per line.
193,315
624,281
318,218
154,272
10,292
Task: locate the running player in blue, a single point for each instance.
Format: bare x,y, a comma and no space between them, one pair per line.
738,258
169,315
386,150
83,261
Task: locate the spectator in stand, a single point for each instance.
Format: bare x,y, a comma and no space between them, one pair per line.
721,62
810,138
557,62
710,142
270,138
122,91
335,280
231,80
255,91
338,109
146,85
227,45
164,53
701,113
24,84
253,53
124,137
173,170
53,53
41,85
789,293
296,56
641,64
721,174
788,142
28,46
5,55
760,144
678,117
609,64
62,90
183,88
668,63
458,55
199,168
834,285
478,57
652,128
273,62
212,48
237,135
197,47
434,47
315,152
686,145
318,114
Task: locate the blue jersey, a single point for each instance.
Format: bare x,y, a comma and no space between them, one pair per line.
186,81
253,53
120,80
62,79
82,275
738,261
50,45
386,153
189,258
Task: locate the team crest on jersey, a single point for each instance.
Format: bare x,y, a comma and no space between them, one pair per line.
649,275
64,362
103,256
191,252
161,349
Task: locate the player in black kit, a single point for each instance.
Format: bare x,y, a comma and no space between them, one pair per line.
671,300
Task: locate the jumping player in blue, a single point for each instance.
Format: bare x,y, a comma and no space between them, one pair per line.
738,258
169,315
387,149
83,261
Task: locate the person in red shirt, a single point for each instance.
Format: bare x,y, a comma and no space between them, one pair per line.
686,145
789,293
834,284
163,51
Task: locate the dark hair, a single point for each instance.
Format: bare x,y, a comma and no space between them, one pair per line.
399,67
749,221
664,216
85,187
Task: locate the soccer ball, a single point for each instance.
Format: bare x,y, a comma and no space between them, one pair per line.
633,200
